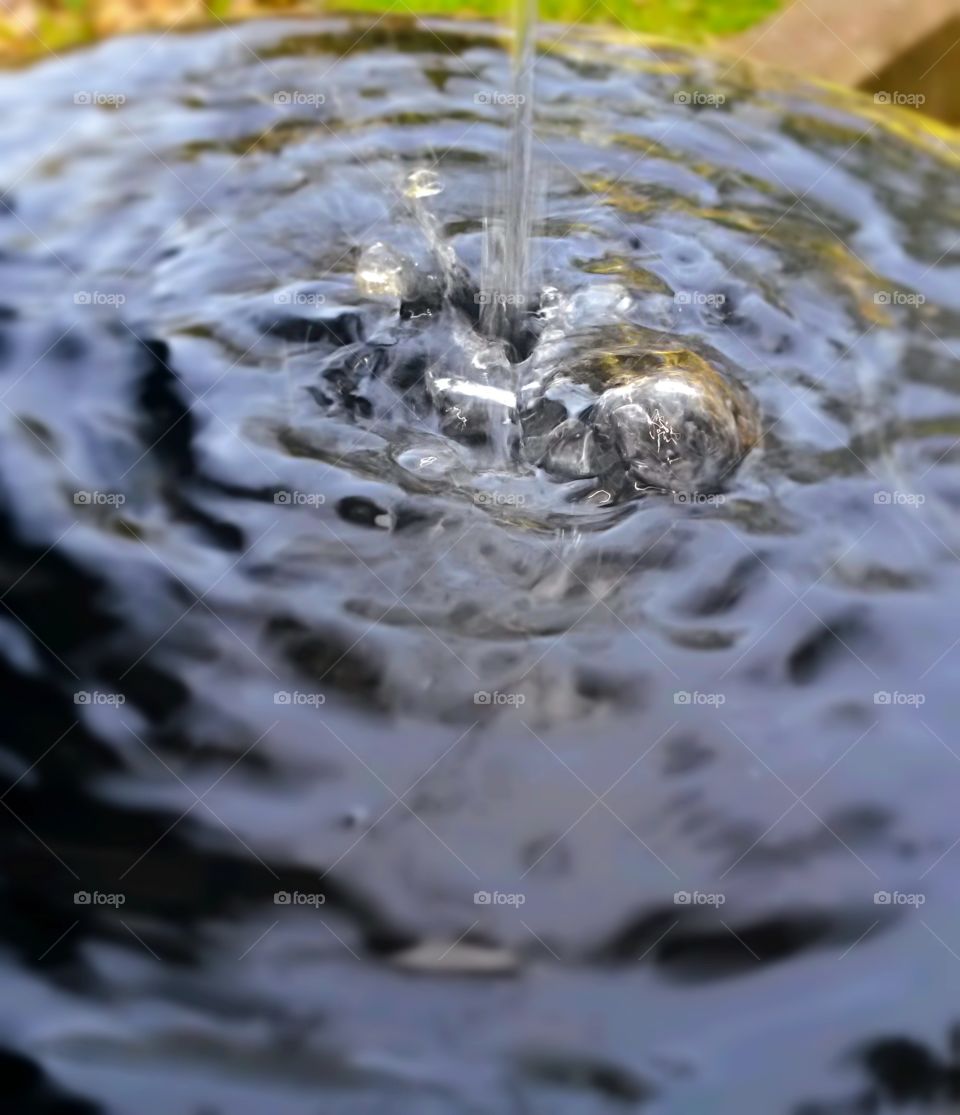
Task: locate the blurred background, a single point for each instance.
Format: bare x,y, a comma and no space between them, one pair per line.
891,44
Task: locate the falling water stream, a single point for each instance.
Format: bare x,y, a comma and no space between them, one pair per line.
518,210
419,701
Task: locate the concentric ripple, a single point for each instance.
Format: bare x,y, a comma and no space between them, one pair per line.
290,607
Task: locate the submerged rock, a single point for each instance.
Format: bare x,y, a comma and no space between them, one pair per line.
643,410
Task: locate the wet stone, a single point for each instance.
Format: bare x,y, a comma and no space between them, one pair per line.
647,412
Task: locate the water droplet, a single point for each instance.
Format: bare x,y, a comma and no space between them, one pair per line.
423,183
432,462
380,270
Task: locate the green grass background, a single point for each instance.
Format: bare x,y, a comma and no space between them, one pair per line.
684,19
56,24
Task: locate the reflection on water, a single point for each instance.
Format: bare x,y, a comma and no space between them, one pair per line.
356,763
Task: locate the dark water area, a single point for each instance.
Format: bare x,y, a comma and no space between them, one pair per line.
351,761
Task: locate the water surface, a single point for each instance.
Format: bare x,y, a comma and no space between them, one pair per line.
367,656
